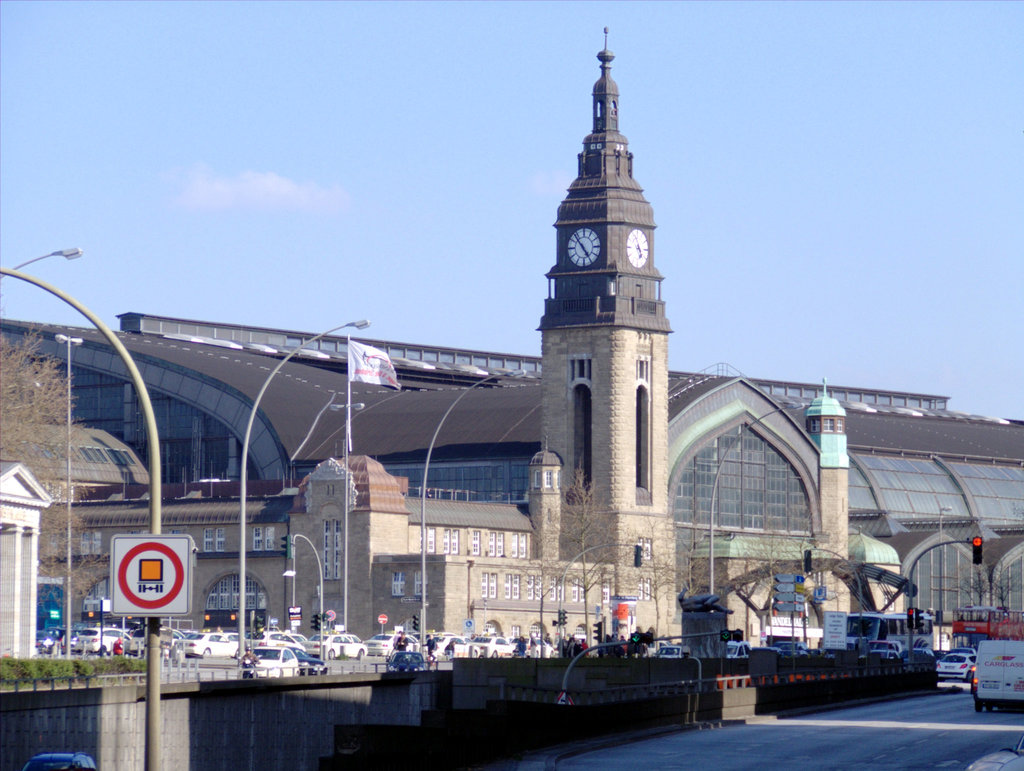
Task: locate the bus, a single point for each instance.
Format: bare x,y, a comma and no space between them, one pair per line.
869,627
974,623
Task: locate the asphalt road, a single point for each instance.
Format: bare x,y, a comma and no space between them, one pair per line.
934,731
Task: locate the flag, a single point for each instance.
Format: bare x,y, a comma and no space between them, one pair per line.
367,364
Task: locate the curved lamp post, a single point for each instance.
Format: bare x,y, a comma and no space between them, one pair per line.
244,473
714,491
67,254
153,622
423,503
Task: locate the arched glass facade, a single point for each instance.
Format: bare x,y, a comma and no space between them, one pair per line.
224,595
757,488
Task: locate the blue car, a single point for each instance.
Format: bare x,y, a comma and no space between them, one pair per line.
57,761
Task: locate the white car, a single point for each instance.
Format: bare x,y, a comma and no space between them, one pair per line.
492,647
282,640
88,640
203,644
275,662
452,648
737,649
136,642
383,645
670,652
338,646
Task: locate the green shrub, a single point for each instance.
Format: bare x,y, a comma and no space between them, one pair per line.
39,668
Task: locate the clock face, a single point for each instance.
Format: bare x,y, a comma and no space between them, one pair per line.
584,247
636,248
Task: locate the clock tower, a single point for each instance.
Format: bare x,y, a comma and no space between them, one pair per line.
604,331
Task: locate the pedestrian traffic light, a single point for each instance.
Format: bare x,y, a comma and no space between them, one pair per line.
977,542
599,632
808,563
638,556
415,622
286,545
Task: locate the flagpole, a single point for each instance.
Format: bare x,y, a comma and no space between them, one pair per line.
348,483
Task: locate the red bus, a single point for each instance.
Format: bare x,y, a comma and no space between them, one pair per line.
974,623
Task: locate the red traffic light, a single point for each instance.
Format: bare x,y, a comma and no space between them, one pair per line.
976,543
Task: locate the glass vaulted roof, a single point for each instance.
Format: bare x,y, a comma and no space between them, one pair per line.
912,488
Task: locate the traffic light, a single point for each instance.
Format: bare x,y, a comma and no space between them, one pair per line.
737,635
725,635
257,626
315,622
912,618
562,618
977,542
286,545
638,556
599,632
808,565
415,622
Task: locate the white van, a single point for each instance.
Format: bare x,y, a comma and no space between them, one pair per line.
999,674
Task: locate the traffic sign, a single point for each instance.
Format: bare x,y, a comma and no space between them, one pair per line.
789,607
331,616
564,698
787,587
789,597
151,575
382,619
468,625
789,578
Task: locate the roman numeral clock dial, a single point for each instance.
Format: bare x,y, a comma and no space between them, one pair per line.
584,247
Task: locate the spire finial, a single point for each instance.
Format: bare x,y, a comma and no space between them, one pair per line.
606,38
824,386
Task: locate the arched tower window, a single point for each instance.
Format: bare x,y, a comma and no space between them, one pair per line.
643,438
582,430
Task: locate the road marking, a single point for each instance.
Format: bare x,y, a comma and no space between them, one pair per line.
800,722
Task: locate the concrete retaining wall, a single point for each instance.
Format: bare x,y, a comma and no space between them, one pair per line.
259,725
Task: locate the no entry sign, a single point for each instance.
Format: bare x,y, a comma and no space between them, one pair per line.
151,575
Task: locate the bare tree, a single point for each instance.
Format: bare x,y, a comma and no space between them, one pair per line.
659,566
33,430
588,535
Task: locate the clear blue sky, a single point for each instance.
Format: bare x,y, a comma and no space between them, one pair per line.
838,187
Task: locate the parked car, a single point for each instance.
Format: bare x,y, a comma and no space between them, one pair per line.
135,645
383,644
54,761
491,647
954,666
337,646
670,652
89,641
887,649
406,661
793,648
310,665
274,662
737,649
1008,759
282,640
203,644
453,648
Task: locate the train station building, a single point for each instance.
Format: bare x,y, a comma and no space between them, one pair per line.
552,464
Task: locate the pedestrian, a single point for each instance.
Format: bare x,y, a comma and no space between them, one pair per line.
118,647
402,642
521,647
431,647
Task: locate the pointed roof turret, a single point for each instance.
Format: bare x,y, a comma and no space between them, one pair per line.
606,93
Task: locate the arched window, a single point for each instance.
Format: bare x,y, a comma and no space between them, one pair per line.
582,430
643,438
224,595
757,488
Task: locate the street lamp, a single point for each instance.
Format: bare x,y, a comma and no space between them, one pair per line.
320,570
714,491
67,254
69,341
244,473
423,504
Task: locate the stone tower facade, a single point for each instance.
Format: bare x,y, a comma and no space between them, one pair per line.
605,336
826,424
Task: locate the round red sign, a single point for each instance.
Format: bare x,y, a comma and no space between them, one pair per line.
382,618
